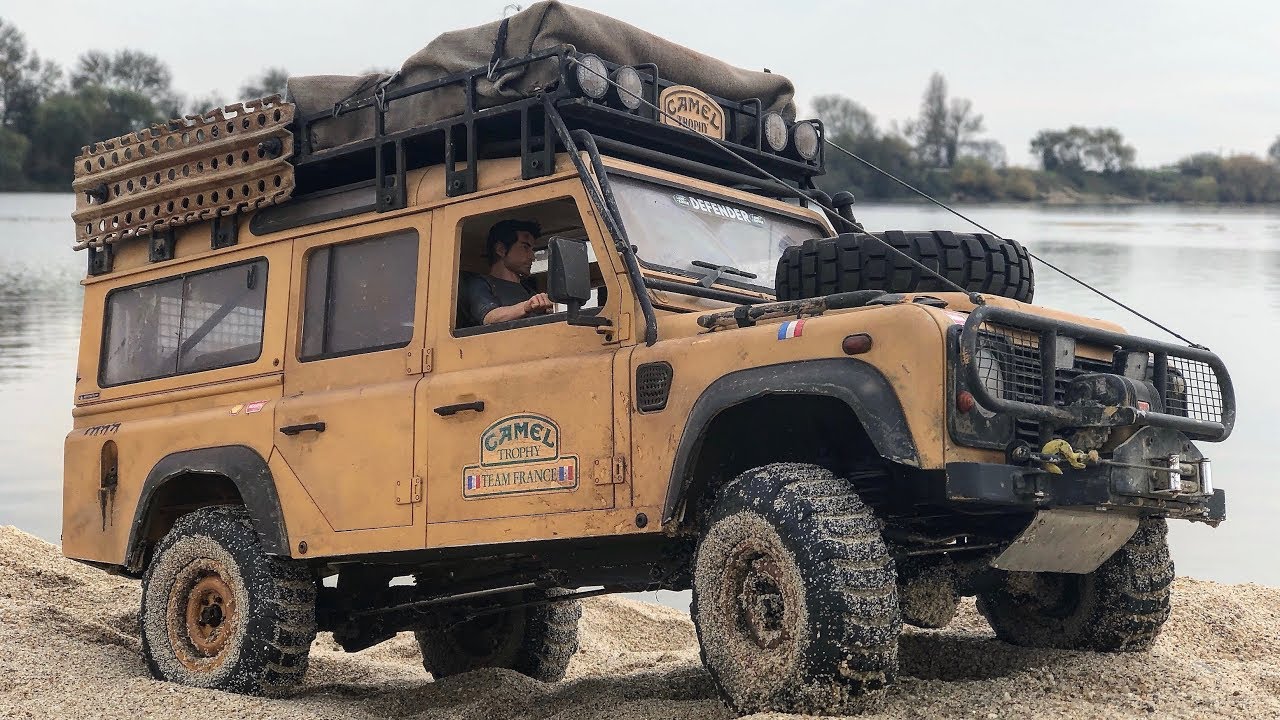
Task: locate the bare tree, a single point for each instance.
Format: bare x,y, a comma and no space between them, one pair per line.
272,81
844,118
131,71
943,129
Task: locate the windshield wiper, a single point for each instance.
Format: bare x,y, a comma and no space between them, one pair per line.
719,271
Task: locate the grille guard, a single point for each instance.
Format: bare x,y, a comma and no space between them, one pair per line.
1048,330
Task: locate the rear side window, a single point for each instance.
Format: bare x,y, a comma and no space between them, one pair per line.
360,296
199,321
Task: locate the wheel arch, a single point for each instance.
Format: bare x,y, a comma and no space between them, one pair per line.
183,481
795,393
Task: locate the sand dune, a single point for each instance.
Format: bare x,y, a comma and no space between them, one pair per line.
69,649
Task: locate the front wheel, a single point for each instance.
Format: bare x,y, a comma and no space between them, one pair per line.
794,595
1121,606
218,612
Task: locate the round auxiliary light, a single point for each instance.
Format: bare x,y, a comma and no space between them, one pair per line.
592,76
628,88
804,138
775,132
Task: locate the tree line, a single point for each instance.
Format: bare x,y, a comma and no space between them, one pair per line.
943,153
47,113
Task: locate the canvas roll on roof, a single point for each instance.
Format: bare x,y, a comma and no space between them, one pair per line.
543,25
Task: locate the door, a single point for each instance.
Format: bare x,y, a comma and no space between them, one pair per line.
517,419
345,424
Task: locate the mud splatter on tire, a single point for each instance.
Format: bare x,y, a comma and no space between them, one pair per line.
795,595
1121,606
537,641
219,613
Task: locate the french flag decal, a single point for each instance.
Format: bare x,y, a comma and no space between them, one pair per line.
790,329
566,474
473,482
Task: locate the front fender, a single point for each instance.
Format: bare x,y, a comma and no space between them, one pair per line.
858,384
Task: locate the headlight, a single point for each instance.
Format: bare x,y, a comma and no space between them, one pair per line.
592,76
775,132
804,138
629,87
990,375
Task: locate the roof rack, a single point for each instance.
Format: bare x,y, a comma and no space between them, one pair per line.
256,154
521,128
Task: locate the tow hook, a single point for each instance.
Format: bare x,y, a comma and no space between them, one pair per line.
1058,451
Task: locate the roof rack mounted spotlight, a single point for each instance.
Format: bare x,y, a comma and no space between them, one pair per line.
591,76
805,140
775,132
628,87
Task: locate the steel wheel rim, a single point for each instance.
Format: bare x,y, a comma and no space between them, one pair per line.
204,615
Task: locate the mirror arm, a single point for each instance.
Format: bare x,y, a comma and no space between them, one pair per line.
577,318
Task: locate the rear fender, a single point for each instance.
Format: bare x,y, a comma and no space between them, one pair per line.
243,466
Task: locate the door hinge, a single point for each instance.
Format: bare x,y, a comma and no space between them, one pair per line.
417,361
610,472
409,492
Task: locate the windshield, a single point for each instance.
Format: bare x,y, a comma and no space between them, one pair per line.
672,227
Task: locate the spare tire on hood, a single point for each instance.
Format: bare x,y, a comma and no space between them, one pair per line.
976,262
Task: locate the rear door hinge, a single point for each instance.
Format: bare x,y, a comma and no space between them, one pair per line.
409,492
610,472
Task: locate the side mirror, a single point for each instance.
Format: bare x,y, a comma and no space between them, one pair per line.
569,279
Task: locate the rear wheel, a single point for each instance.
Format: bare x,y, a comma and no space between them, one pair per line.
537,641
217,612
794,595
1121,606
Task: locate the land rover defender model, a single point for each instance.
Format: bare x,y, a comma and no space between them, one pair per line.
280,408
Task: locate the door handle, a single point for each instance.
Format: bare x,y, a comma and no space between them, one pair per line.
295,429
447,410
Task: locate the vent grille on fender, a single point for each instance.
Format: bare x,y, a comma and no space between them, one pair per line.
653,384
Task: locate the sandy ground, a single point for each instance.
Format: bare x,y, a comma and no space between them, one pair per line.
69,649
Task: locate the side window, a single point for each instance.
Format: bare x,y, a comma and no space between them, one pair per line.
189,323
485,283
359,296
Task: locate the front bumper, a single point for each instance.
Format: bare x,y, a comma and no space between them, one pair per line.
1118,486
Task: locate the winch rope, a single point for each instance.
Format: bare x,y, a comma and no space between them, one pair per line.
975,297
983,228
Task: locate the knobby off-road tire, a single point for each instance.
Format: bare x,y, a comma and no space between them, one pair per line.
794,595
537,641
1121,606
217,612
975,261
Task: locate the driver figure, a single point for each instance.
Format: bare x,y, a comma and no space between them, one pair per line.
506,292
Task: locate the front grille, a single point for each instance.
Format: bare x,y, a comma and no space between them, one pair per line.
1191,388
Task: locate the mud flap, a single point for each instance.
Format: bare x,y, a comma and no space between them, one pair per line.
1067,541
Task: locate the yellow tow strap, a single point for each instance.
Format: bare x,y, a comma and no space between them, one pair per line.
1061,447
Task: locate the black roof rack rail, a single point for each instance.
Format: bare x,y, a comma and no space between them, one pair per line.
522,128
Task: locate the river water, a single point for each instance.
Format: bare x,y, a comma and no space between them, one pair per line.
1212,274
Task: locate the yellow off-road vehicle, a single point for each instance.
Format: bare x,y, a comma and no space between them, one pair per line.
282,405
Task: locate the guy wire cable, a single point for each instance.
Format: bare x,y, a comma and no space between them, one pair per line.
974,297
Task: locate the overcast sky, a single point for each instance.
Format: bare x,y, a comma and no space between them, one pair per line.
1175,77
